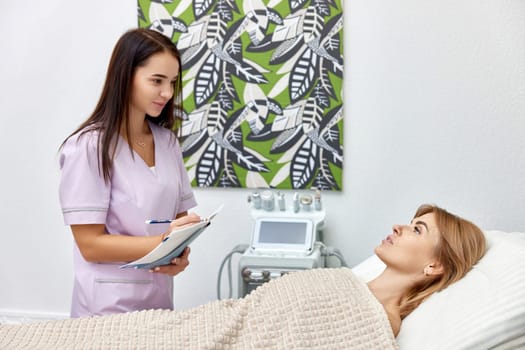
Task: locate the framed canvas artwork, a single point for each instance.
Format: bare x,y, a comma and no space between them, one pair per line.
262,90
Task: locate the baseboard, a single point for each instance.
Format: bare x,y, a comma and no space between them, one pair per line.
18,317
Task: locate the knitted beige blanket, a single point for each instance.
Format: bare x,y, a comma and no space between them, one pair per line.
311,309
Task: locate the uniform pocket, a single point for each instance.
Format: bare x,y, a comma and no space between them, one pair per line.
116,295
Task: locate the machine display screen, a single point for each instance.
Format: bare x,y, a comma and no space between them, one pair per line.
282,232
283,235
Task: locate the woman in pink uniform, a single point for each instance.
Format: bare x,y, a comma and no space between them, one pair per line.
121,167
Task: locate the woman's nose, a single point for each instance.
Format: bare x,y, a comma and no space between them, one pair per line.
167,92
397,229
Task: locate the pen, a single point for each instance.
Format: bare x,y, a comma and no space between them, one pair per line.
158,221
167,221
203,219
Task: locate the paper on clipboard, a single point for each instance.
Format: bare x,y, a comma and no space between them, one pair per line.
173,245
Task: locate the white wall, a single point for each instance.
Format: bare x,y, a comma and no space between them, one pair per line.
435,112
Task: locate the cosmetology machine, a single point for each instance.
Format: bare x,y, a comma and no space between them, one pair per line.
287,236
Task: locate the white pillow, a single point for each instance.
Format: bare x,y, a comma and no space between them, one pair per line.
369,269
485,309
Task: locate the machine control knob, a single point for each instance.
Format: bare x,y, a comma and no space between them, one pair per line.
276,274
246,273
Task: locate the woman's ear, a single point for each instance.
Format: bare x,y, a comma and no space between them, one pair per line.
434,269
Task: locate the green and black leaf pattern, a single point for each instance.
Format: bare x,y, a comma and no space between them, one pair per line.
262,89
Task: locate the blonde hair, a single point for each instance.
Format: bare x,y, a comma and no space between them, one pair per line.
461,245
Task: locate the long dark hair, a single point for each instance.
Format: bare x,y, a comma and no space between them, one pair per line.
132,50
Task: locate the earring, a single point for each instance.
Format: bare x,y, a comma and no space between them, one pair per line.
427,271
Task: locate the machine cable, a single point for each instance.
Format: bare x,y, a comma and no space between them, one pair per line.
240,248
332,251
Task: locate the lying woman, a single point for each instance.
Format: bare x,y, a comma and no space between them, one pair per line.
312,309
435,250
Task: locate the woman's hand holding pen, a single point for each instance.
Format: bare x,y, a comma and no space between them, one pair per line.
184,221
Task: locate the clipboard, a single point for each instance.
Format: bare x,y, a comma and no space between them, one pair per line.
173,245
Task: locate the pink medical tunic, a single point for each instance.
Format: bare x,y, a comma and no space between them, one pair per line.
134,194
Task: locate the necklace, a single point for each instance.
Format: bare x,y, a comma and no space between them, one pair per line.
142,144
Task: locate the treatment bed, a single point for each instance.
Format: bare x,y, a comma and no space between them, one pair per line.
316,309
